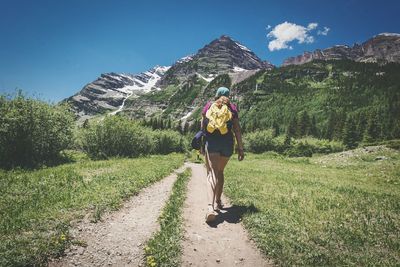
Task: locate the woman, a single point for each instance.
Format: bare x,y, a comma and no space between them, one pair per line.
219,148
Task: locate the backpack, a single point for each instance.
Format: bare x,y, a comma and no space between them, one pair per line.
218,117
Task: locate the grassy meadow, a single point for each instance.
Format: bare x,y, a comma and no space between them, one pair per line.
37,206
340,209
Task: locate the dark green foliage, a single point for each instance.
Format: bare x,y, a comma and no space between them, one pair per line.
260,141
303,124
292,128
264,141
32,132
119,136
350,134
116,136
320,95
168,141
300,149
373,130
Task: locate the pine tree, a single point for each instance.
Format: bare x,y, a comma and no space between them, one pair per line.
330,125
339,125
303,124
275,127
186,128
85,124
373,130
350,135
313,128
292,127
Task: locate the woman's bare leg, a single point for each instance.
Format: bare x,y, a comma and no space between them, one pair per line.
220,177
211,163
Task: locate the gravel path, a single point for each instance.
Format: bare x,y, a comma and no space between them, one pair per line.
119,238
223,243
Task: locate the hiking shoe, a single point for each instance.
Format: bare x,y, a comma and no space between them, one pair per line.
210,217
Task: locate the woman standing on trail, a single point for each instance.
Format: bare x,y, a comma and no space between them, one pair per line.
220,122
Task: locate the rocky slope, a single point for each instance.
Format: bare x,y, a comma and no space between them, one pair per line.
110,90
382,48
222,55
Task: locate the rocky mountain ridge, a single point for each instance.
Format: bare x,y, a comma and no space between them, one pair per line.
382,48
110,91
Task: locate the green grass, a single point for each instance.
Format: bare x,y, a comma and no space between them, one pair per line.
317,212
36,207
164,248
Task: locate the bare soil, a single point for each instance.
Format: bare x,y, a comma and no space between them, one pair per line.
118,239
221,243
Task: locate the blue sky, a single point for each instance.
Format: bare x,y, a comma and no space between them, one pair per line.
51,49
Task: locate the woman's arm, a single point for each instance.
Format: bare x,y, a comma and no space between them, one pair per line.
238,135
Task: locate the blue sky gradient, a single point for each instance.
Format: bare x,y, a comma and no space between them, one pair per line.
51,49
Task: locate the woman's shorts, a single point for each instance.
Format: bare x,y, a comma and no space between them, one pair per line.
222,144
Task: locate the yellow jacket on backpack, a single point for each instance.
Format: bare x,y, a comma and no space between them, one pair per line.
218,118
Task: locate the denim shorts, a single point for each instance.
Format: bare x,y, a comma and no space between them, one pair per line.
222,144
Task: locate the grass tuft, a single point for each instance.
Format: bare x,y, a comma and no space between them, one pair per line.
164,248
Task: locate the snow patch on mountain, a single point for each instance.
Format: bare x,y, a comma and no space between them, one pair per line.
185,59
238,69
389,34
209,79
243,47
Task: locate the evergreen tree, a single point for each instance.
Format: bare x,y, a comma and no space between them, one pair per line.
303,124
186,128
372,132
178,127
350,135
292,128
339,125
85,124
275,127
330,125
313,128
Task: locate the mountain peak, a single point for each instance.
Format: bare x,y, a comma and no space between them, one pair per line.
381,48
387,34
225,37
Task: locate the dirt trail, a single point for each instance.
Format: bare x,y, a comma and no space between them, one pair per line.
223,243
119,238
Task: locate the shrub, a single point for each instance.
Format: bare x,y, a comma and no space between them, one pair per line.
116,136
263,141
300,149
322,146
259,141
119,136
32,132
167,141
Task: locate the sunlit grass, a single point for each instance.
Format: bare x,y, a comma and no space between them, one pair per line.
317,212
36,207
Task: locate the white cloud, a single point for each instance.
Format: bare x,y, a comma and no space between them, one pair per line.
324,31
268,27
312,26
287,32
